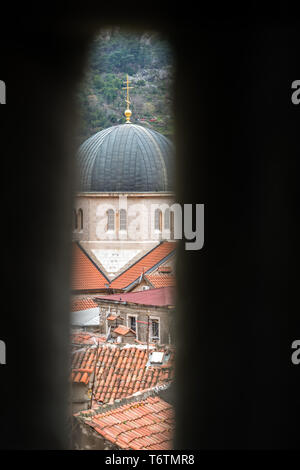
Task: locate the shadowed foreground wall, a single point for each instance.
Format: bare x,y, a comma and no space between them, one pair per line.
238,153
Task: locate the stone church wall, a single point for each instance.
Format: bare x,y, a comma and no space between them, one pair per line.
140,210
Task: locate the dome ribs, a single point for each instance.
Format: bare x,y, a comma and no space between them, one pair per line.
125,158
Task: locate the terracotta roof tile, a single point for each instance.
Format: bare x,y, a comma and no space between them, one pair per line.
85,274
161,280
82,304
120,372
164,269
146,263
112,317
138,433
82,338
123,330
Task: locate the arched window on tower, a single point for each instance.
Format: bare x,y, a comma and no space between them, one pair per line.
110,219
123,219
172,225
80,219
167,219
158,219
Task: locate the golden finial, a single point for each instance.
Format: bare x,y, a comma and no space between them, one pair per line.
127,111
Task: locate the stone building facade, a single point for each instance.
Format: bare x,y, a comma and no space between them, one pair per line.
148,321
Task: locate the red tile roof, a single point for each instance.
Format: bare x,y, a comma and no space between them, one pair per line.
123,330
164,269
158,297
82,375
85,274
120,372
145,425
112,317
82,304
143,265
161,280
84,338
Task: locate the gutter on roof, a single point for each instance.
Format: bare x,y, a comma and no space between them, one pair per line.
102,290
124,302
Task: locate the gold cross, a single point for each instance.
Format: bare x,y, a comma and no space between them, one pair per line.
127,87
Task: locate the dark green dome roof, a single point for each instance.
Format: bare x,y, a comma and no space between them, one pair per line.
126,158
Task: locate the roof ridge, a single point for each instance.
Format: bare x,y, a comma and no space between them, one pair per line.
148,252
163,242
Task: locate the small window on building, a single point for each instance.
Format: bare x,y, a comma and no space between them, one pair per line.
132,322
110,219
154,330
123,219
158,219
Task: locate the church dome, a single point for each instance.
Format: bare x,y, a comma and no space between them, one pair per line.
126,158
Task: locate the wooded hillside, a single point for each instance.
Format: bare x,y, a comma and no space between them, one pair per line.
147,59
